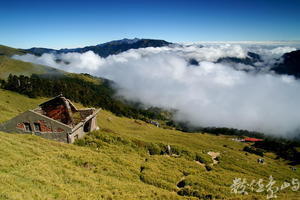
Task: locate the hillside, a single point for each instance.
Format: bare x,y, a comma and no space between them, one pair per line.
17,67
290,64
9,65
9,51
251,59
123,161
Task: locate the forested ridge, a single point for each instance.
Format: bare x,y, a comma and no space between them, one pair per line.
79,90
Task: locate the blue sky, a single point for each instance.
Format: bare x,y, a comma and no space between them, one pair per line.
58,24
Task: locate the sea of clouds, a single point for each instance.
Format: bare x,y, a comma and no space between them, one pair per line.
209,94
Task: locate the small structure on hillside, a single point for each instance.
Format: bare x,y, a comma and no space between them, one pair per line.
56,119
293,168
261,160
169,150
155,123
253,140
238,139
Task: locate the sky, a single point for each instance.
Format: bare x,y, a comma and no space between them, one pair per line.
67,24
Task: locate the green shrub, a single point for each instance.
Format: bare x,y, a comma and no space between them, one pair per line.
154,149
202,158
208,167
253,150
80,142
183,152
181,184
187,191
139,143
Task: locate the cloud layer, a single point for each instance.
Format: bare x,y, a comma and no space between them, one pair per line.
211,94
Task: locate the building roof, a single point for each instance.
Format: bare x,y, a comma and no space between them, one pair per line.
63,110
253,139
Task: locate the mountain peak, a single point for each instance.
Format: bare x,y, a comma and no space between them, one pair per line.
108,48
122,41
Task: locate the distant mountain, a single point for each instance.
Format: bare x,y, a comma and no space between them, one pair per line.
39,51
106,49
290,64
249,60
119,42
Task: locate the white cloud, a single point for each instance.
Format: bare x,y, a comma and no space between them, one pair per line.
208,95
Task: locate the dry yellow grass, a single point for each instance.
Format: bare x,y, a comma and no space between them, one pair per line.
114,163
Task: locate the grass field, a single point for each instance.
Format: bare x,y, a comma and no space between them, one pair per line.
9,65
17,67
123,161
9,51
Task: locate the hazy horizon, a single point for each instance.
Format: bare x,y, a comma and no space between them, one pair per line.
266,42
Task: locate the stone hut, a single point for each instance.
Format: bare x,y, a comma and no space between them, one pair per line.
57,119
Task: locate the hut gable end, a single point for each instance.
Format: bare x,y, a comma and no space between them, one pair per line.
56,119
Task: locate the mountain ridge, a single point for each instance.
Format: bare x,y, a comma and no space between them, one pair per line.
105,49
290,64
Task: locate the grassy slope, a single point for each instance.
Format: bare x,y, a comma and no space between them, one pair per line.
17,67
9,51
12,104
86,78
114,167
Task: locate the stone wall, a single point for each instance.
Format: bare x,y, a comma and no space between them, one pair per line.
49,128
31,122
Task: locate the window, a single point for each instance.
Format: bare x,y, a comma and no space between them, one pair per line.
37,127
27,127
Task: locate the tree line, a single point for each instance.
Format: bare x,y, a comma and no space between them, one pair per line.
79,90
288,149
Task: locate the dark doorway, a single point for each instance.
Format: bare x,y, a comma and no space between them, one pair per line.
87,126
27,126
37,127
